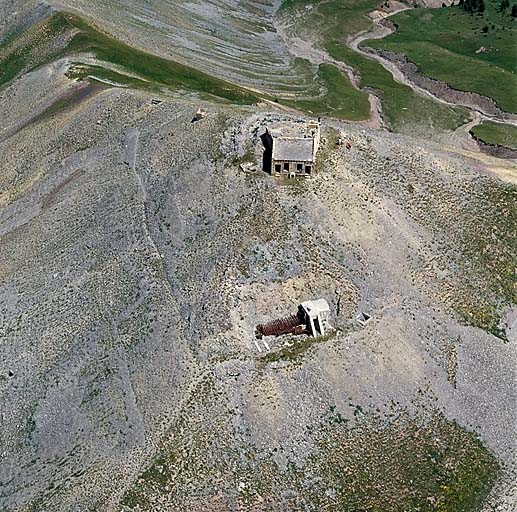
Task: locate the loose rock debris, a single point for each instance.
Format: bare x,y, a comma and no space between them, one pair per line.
152,276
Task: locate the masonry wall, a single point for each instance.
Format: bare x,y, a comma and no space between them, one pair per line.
294,166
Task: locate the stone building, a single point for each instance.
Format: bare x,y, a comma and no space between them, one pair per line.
294,148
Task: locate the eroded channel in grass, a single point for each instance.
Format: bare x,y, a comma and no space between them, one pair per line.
330,24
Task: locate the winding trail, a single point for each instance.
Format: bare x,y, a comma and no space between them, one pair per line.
461,137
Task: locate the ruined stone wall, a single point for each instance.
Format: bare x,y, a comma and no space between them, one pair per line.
292,166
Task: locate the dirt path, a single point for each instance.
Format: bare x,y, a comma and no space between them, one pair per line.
462,142
461,137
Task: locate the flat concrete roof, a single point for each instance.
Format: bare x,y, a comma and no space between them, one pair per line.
293,148
315,307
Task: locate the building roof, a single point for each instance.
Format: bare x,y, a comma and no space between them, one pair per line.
314,307
293,148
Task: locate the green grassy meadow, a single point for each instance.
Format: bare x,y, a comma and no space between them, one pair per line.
335,21
496,133
470,52
402,108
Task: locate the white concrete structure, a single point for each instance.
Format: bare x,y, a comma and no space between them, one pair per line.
363,319
316,315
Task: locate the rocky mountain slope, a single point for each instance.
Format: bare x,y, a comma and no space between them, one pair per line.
137,259
232,40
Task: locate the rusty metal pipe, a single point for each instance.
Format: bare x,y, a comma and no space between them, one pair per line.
286,325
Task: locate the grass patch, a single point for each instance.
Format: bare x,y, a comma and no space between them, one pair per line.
496,133
469,52
488,241
433,467
23,51
296,186
340,99
297,349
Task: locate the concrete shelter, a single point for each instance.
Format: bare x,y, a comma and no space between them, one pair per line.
316,316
